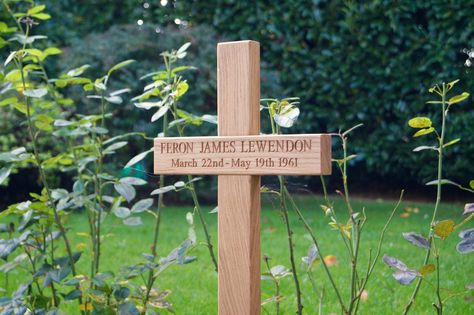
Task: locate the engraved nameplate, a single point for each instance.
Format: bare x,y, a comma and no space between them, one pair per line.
308,154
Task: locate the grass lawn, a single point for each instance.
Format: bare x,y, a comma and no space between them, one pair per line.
194,286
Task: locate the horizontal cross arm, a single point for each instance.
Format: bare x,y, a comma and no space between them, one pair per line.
307,154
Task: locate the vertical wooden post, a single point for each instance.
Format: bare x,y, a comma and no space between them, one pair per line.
238,95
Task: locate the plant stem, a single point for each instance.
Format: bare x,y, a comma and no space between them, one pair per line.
316,244
89,218
156,230
355,227
42,174
98,181
284,213
321,298
33,268
334,216
276,130
37,159
379,247
438,199
277,286
203,222
192,187
439,306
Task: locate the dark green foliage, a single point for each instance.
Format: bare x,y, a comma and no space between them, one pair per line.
348,62
369,63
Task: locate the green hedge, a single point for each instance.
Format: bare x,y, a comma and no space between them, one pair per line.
349,62
368,63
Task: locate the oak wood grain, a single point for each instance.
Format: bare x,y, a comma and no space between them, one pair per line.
238,95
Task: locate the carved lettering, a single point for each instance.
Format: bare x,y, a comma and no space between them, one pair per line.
176,147
181,163
244,146
272,154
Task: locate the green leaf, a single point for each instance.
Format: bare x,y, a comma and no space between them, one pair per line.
424,147
135,181
59,193
442,182
163,190
11,265
212,119
49,51
22,108
3,42
44,122
121,293
77,71
36,93
181,53
4,173
4,28
42,16
402,273
121,212
127,308
427,269
34,52
471,184
42,126
44,104
121,91
180,184
115,146
62,123
416,239
444,228
452,83
125,190
120,65
52,51
44,118
132,221
138,158
72,295
466,245
142,205
99,85
181,68
114,99
10,57
458,98
182,89
36,9
468,208
287,117
9,101
420,122
159,113
423,132
451,142
147,105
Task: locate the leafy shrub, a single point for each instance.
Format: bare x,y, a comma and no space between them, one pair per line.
438,230
84,145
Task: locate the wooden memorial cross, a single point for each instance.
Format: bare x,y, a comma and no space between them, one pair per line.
239,155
